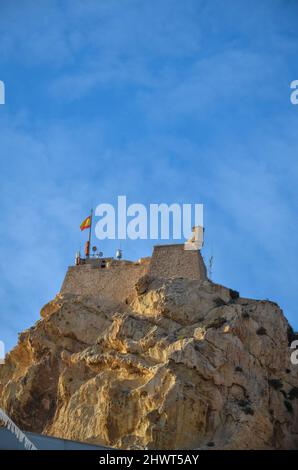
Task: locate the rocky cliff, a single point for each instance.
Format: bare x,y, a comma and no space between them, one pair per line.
182,364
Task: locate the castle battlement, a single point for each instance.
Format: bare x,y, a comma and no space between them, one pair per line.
174,261
112,281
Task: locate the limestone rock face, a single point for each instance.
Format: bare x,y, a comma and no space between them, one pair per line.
182,364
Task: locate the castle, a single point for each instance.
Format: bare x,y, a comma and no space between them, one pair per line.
111,281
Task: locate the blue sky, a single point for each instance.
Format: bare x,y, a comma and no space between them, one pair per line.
162,101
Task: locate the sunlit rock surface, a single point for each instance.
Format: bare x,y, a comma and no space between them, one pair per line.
181,364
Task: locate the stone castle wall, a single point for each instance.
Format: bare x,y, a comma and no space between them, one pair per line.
110,285
174,261
114,283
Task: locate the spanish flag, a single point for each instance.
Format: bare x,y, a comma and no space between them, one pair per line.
86,223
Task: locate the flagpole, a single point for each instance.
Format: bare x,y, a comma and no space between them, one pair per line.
91,216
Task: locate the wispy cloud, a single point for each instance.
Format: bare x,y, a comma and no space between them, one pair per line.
162,101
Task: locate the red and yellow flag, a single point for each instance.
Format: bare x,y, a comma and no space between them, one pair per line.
86,223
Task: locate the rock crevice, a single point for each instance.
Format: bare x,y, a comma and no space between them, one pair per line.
181,364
